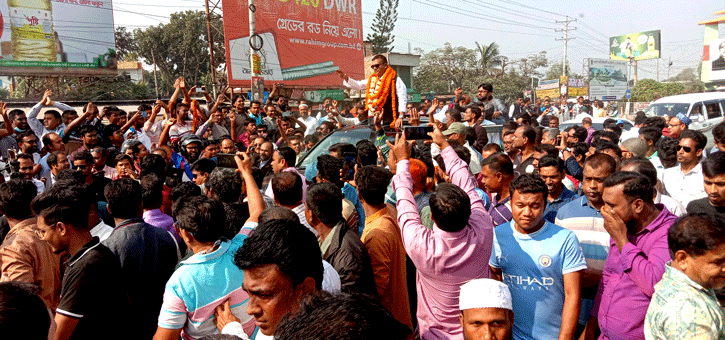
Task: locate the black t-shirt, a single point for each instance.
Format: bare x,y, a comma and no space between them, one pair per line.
93,292
703,205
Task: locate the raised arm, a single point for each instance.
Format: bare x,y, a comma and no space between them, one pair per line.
351,83
182,87
152,117
130,122
457,169
9,129
233,125
90,109
164,138
175,96
35,124
254,196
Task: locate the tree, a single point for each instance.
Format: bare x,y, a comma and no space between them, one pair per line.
125,45
648,90
690,79
555,71
490,58
383,25
446,68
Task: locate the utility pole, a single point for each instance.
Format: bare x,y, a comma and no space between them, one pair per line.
565,39
252,52
156,82
212,65
668,68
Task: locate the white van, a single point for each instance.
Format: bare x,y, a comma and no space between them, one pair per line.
704,109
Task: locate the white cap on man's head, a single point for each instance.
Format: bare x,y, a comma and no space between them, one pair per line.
484,293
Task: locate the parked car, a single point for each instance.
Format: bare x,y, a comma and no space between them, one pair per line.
704,109
597,123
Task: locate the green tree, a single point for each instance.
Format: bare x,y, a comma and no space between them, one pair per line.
648,90
555,71
181,48
383,24
125,45
690,79
445,69
83,88
490,58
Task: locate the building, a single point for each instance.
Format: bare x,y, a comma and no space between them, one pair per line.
133,68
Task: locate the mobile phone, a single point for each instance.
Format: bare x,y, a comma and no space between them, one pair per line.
558,140
226,160
417,132
199,90
12,154
350,160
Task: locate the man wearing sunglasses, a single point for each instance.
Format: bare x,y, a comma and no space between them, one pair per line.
83,162
684,181
384,88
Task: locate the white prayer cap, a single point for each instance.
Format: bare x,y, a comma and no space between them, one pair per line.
303,105
485,293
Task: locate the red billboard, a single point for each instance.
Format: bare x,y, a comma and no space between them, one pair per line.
303,41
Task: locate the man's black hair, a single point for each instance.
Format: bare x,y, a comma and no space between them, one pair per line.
289,245
226,184
15,198
288,154
639,118
450,207
346,316
657,122
372,184
499,162
153,164
69,176
184,189
697,136
325,202
529,184
580,149
615,128
486,86
287,188
606,135
84,155
651,133
121,157
636,185
311,139
67,203
492,147
110,129
530,134
14,113
329,124
642,166
204,165
342,148
328,168
599,159
367,152
602,144
23,314
510,125
278,213
53,157
714,165
718,133
152,188
475,111
46,139
580,133
124,198
554,161
84,129
696,234
667,151
201,216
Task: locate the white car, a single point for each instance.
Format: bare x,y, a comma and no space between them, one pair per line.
704,109
597,123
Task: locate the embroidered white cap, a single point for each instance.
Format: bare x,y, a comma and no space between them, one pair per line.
484,293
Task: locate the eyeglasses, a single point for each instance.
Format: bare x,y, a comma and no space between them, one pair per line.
375,66
686,148
80,167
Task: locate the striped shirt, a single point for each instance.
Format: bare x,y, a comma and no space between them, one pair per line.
203,282
500,211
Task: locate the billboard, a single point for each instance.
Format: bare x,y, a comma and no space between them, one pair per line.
548,88
58,36
716,59
577,87
607,79
303,42
640,46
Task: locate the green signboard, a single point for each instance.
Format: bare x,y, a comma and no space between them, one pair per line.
640,46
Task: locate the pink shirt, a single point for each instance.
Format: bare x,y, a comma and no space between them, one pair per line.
444,260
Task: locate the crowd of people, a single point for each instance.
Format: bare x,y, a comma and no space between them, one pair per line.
182,221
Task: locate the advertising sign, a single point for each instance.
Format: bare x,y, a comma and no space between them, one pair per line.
577,88
303,42
548,88
716,58
607,79
640,46
58,36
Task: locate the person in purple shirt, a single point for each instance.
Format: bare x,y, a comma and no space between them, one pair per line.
152,198
587,124
454,251
497,171
637,256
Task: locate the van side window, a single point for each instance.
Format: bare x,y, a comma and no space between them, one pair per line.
713,110
696,109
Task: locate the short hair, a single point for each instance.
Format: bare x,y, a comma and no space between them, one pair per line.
602,144
25,156
67,203
53,157
667,149
287,244
486,86
657,121
492,147
639,118
599,159
367,152
380,57
718,133
84,129
346,316
124,198
529,133
278,213
288,154
152,191
24,134
69,176
714,165
604,134
201,216
122,156
450,207
184,189
329,125
651,133
455,115
311,139
325,201
580,133
476,111
153,164
328,168
372,184
635,185
697,136
499,162
14,113
226,184
204,164
23,314
587,120
554,161
287,188
529,184
642,166
110,129
15,198
46,138
83,155
461,151
696,234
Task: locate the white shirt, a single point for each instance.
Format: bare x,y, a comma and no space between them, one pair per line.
102,230
38,127
684,187
311,123
400,90
140,135
300,211
440,114
673,205
153,130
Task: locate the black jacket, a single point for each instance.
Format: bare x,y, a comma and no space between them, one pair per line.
348,256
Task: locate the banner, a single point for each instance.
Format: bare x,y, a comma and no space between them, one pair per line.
577,88
717,59
548,88
57,37
641,46
607,79
303,41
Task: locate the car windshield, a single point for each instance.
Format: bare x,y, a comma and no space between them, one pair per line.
351,136
669,109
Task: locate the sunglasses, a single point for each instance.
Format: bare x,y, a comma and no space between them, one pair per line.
686,148
80,167
375,66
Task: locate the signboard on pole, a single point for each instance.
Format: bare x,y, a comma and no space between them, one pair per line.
303,42
548,88
640,46
577,87
45,37
607,79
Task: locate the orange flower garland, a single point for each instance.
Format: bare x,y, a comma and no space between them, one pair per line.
375,99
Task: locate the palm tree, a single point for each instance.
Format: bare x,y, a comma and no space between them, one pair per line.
490,58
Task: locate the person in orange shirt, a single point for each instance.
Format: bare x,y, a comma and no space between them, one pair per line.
383,241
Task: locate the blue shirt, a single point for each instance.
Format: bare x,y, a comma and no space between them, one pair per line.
500,211
351,194
552,207
533,267
181,163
